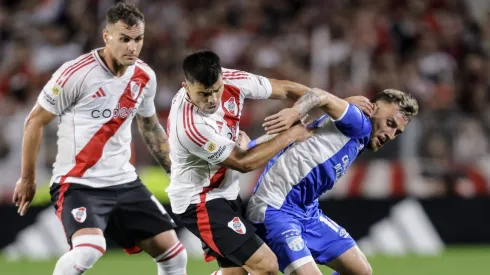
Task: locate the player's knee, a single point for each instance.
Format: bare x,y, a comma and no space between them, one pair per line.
268,265
368,269
173,261
365,269
264,261
87,249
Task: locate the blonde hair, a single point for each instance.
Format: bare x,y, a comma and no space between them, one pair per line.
407,104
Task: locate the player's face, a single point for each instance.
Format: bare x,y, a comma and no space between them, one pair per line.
124,42
387,123
207,99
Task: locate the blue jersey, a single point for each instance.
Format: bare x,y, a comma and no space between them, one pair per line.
284,206
296,177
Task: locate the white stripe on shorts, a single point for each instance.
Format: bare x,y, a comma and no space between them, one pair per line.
159,205
330,224
297,264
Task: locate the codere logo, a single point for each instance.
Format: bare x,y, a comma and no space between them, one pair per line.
117,112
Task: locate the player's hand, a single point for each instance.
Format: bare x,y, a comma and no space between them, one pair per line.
281,121
23,194
242,140
300,132
363,103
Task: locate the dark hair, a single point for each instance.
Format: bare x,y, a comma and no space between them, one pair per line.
127,13
406,103
203,67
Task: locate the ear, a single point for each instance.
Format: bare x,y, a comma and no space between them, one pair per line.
185,85
105,35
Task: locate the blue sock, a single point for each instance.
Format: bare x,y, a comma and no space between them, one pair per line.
335,273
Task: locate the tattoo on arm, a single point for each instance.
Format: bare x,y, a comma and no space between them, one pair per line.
307,102
156,140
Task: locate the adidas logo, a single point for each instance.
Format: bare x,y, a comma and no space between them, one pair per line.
407,229
99,93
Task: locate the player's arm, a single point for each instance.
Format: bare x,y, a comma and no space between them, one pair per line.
31,142
307,100
51,102
314,98
285,89
155,138
204,142
253,158
151,130
259,87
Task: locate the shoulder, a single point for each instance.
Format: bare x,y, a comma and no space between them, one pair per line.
236,78
74,70
140,64
232,74
191,127
183,113
191,113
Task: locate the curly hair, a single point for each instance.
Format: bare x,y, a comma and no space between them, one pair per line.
407,104
127,13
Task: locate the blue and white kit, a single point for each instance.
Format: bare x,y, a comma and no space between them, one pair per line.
284,206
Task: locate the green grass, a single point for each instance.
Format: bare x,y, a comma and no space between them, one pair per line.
455,261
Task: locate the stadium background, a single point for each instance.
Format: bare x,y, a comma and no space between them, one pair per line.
419,206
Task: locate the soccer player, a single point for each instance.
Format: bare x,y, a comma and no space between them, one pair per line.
284,206
94,187
203,129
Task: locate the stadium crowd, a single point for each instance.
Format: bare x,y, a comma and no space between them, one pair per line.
437,50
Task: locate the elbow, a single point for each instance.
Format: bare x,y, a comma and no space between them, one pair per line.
27,122
245,167
30,122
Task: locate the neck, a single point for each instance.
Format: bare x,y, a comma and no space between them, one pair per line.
115,68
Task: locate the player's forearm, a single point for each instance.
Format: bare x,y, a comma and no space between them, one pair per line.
156,140
261,140
259,155
315,98
31,143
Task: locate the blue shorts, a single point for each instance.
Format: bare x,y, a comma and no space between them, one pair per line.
297,240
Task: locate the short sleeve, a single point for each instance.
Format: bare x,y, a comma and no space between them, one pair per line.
57,95
353,123
251,85
202,140
147,106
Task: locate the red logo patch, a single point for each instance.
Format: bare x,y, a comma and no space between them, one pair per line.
237,225
231,106
80,214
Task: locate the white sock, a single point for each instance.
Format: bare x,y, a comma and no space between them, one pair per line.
173,261
87,249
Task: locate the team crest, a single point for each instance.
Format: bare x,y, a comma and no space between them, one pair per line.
135,89
80,214
210,147
231,106
237,225
295,243
56,90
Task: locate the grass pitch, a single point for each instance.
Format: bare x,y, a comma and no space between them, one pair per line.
454,261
